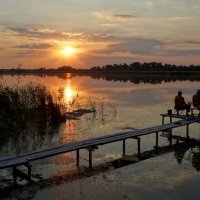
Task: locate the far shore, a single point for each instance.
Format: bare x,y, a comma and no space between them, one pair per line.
91,72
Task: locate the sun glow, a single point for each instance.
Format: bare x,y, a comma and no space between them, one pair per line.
68,54
68,51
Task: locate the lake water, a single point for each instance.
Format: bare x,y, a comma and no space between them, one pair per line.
121,105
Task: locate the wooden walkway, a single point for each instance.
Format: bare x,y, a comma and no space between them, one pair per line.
91,144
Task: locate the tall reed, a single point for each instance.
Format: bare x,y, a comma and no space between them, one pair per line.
32,103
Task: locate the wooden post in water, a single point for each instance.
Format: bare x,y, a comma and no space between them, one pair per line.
29,172
163,120
170,119
124,147
138,140
187,131
77,157
171,130
90,156
156,139
170,137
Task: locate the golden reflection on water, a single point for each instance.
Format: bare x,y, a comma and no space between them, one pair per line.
70,132
68,92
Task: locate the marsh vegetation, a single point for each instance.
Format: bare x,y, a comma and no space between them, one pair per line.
29,105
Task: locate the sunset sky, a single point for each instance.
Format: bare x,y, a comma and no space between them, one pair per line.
87,33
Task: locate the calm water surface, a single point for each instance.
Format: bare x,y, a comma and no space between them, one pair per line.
126,106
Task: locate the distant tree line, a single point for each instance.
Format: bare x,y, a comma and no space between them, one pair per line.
133,67
40,70
149,67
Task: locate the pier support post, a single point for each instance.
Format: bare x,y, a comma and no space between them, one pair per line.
29,172
138,141
170,137
187,131
124,147
77,157
90,156
156,139
163,120
170,119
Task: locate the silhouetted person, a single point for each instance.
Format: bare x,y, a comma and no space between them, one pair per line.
180,103
196,100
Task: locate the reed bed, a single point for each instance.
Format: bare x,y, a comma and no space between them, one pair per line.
29,104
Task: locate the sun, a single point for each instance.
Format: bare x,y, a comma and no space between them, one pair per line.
68,51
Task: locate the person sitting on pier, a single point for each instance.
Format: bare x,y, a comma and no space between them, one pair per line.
196,100
180,103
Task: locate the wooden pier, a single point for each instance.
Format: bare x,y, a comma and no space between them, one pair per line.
93,143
